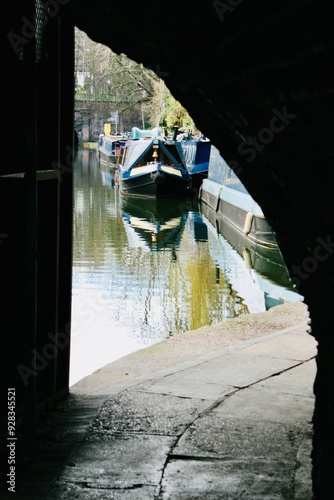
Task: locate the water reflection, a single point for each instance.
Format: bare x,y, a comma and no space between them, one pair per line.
154,224
258,273
143,271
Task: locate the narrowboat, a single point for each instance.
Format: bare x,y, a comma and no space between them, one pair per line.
108,149
196,156
151,166
227,196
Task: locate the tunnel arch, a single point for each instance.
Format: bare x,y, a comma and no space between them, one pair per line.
256,80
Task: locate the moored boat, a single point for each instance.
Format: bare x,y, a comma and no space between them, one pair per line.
196,156
151,166
228,197
108,149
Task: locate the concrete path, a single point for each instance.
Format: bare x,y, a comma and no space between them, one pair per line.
234,423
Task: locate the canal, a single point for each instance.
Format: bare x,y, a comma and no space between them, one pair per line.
145,271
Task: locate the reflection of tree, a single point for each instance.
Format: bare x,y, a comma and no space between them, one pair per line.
205,293
174,297
95,226
211,299
197,283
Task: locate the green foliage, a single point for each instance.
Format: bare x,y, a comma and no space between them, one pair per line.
175,114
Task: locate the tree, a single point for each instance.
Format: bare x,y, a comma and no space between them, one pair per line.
175,114
109,82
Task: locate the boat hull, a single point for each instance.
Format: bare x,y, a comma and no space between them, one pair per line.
240,210
197,178
159,183
108,150
106,159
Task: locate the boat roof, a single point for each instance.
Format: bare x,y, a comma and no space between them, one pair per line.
114,138
137,148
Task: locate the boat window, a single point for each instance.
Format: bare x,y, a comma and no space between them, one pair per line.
189,151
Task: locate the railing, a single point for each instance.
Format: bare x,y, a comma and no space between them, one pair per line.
100,98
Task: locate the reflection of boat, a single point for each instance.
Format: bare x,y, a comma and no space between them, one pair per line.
109,175
108,149
154,224
226,195
197,227
265,281
152,167
195,156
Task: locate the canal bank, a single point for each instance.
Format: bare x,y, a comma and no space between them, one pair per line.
190,346
206,415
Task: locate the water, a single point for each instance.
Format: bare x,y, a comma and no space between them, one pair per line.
144,271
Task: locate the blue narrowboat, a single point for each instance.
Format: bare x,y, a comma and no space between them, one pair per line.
196,157
151,166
